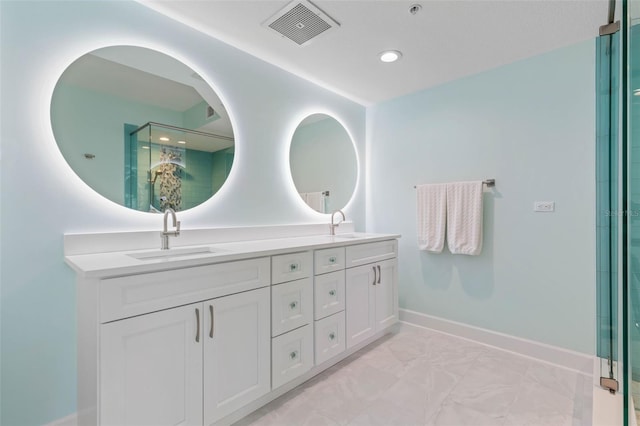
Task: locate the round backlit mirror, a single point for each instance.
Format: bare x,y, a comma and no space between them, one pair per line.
323,162
142,129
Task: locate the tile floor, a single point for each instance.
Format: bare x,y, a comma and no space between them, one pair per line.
417,376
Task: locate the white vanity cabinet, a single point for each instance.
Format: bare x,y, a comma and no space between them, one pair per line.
160,367
202,341
371,289
157,348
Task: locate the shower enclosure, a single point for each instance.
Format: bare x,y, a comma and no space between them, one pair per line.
618,204
172,167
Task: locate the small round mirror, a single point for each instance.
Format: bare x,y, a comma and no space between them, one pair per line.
142,129
323,162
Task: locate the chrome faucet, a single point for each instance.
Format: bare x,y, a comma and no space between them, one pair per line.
165,234
333,226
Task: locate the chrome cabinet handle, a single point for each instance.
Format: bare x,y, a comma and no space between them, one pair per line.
211,312
332,293
332,336
374,275
379,274
293,267
293,305
197,325
293,355
332,259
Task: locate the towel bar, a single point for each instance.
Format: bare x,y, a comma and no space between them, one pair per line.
488,182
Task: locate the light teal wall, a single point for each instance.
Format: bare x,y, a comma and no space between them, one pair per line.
40,199
531,126
93,122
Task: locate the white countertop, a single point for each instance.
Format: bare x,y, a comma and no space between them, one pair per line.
118,263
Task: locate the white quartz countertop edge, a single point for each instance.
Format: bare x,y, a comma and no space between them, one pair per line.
120,263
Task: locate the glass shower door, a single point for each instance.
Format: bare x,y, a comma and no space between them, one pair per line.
609,206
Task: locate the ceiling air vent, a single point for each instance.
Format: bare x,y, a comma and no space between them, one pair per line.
300,21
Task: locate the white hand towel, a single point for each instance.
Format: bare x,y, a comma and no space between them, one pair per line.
432,216
464,217
315,200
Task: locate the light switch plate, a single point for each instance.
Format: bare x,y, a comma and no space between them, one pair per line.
544,206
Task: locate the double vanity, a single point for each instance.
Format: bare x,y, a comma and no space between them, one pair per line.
226,319
205,334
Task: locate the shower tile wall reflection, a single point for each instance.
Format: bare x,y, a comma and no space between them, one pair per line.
171,175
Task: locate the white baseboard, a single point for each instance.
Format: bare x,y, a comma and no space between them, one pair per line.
70,420
565,358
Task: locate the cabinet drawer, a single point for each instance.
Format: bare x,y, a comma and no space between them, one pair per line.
139,294
328,260
291,355
329,337
361,254
291,305
290,267
329,294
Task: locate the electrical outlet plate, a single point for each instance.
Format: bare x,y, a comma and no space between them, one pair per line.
544,206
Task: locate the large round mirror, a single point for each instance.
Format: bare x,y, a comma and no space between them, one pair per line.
142,129
323,161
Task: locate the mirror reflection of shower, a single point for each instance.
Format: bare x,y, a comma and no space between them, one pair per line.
153,176
173,167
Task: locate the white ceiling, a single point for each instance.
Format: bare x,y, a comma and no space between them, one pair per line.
447,40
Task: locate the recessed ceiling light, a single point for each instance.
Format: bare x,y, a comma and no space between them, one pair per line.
164,139
182,142
636,92
390,55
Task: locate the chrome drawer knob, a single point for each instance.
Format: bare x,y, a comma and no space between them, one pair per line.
293,355
293,267
332,260
332,336
293,305
332,293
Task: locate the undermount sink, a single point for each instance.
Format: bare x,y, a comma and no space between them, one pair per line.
172,253
348,236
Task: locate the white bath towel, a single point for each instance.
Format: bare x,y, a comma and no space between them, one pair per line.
315,200
432,216
464,217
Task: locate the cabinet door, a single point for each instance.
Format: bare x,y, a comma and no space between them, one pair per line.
360,303
151,369
237,356
387,294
